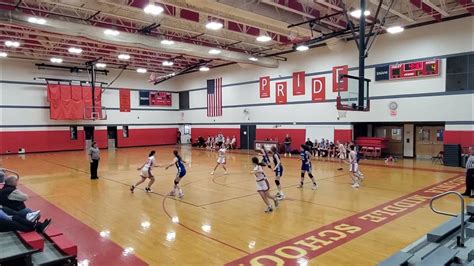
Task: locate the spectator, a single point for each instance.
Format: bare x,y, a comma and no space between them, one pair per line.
233,142
201,142
309,143
178,137
94,156
470,174
2,176
13,198
11,220
227,142
287,145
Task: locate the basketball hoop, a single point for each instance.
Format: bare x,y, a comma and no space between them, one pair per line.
96,113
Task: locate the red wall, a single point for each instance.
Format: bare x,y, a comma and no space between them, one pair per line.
39,141
343,135
465,138
147,137
297,135
204,132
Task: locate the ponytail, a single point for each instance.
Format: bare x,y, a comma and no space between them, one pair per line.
175,152
257,162
151,153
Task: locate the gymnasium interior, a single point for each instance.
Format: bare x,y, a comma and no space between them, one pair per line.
89,88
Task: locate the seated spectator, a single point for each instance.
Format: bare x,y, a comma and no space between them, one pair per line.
201,142
2,175
309,143
11,197
227,142
11,220
332,150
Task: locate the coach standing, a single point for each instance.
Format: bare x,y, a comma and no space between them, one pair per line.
94,156
470,174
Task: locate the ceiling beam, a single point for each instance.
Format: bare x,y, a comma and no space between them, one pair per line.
393,11
426,8
468,4
435,7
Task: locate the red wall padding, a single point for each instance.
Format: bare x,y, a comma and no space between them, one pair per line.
204,132
465,138
147,136
297,135
39,141
343,135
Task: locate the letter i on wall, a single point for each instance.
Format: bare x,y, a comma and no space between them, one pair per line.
299,83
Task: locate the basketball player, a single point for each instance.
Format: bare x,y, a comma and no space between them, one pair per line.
342,154
262,184
179,163
354,167
146,172
265,157
220,159
278,169
305,158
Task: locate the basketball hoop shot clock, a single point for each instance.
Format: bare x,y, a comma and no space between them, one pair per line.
417,69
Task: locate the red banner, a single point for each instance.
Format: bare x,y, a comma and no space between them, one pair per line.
318,89
281,96
124,100
72,102
298,83
337,84
264,87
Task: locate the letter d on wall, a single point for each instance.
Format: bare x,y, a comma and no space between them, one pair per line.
281,96
264,87
318,89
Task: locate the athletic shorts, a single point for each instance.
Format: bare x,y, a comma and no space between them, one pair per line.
146,173
181,174
306,168
263,185
279,171
354,167
221,160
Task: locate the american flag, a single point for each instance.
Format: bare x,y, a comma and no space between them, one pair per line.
214,97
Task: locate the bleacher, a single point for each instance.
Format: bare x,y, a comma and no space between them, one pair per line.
32,248
371,147
442,246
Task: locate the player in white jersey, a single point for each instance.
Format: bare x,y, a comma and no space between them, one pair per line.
221,159
146,172
263,186
342,153
354,167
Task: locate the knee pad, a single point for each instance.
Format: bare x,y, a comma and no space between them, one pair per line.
310,175
302,175
277,182
176,182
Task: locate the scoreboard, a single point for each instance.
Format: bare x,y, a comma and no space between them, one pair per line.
417,69
155,98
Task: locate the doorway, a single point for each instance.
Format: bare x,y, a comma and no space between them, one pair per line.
429,141
112,137
89,136
247,136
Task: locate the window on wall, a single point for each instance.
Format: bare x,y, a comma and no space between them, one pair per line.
125,131
396,133
73,132
440,134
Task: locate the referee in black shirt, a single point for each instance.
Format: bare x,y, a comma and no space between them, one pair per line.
470,174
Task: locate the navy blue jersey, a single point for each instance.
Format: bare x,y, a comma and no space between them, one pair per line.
305,161
180,166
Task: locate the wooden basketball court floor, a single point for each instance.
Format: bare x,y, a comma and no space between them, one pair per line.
221,218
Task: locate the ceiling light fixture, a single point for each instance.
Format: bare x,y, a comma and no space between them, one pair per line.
358,12
167,63
395,29
111,32
141,70
253,59
3,54
13,44
302,48
167,42
100,65
74,50
34,20
56,60
153,9
214,51
214,25
204,68
123,56
264,37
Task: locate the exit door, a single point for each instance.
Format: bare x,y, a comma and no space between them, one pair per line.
247,136
89,136
112,137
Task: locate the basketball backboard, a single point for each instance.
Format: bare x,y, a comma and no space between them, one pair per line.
351,99
96,113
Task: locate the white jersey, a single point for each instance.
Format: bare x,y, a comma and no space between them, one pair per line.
262,182
354,166
149,163
342,151
221,155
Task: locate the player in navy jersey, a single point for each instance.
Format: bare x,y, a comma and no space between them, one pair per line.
179,163
265,157
306,167
278,169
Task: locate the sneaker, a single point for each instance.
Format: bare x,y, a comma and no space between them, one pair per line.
355,185
281,196
276,203
300,186
132,188
269,209
314,187
41,227
172,194
147,189
212,173
290,155
33,216
225,173
180,195
339,169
